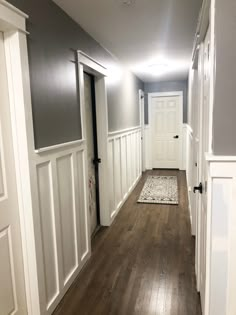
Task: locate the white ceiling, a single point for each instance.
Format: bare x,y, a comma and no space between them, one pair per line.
154,38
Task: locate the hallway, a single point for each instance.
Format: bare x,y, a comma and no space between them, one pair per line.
143,264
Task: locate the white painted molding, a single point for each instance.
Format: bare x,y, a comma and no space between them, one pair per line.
219,158
91,64
119,132
12,24
163,94
11,18
13,9
188,127
87,63
59,146
221,250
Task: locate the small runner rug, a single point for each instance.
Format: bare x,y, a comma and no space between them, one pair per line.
160,189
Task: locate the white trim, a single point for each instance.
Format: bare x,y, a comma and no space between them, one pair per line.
167,94
219,158
212,74
221,195
202,27
11,19
59,146
12,24
118,132
91,64
189,128
13,9
87,63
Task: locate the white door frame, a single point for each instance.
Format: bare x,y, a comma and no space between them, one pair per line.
12,24
86,63
142,124
181,153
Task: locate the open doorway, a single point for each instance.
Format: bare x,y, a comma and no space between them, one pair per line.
92,151
98,72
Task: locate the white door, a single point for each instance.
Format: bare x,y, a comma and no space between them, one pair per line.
165,120
204,147
90,153
12,287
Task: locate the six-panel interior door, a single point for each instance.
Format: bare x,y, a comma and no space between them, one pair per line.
165,132
204,143
12,287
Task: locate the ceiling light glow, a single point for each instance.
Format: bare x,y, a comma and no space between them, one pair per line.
157,68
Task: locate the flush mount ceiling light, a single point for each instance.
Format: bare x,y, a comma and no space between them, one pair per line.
157,68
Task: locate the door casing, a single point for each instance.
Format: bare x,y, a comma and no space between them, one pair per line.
91,66
13,26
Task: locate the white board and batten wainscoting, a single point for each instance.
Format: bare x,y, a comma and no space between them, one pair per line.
165,132
125,166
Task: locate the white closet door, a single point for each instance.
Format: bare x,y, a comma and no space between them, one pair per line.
165,132
12,287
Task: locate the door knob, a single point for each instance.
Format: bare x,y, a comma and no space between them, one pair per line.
198,188
176,137
97,161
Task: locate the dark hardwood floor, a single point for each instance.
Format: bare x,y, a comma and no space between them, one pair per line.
143,264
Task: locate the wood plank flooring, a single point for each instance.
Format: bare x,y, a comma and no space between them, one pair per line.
143,264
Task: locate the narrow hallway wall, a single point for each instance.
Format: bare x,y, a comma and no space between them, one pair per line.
224,111
54,37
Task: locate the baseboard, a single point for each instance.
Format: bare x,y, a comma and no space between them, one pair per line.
113,216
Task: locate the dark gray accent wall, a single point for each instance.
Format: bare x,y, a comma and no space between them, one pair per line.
224,110
168,86
54,38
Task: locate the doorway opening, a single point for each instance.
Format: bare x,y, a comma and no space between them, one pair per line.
92,151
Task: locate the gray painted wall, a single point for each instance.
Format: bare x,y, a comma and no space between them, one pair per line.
224,111
53,38
169,86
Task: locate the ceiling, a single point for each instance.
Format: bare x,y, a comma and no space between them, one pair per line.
154,38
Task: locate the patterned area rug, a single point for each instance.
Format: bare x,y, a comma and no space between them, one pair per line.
160,189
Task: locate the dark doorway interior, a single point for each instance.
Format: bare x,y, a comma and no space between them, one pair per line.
92,146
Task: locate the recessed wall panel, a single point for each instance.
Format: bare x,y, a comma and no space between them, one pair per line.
82,211
7,303
47,224
67,215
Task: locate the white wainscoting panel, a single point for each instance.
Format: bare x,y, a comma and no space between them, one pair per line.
47,229
8,299
221,246
125,170
63,240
